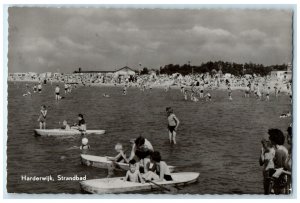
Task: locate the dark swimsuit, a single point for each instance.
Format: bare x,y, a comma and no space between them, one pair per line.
171,128
166,177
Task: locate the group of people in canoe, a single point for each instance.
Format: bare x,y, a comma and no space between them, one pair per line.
145,164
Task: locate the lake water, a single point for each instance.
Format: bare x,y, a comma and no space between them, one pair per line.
219,139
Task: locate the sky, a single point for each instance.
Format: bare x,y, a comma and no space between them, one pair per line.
64,39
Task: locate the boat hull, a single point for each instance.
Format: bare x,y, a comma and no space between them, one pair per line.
61,132
118,185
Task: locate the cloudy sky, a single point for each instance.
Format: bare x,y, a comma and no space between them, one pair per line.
63,39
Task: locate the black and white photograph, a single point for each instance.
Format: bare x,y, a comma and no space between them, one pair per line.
161,101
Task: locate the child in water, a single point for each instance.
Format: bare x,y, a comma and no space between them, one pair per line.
173,124
229,92
208,96
121,157
268,94
133,175
42,117
125,90
266,159
84,144
185,95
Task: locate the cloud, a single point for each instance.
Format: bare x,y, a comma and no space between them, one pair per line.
47,39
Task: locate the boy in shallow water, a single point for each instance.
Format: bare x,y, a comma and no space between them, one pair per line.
133,175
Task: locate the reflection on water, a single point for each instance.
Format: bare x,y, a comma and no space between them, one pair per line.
219,139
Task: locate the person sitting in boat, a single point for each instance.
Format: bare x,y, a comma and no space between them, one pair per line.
161,170
66,126
81,126
141,151
121,157
133,175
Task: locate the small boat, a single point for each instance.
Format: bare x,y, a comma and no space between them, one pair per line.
103,162
118,185
61,132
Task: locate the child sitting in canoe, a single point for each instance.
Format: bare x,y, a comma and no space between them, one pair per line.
121,157
133,175
161,171
66,126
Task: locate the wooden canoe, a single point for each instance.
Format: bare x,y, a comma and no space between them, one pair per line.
61,132
102,162
118,185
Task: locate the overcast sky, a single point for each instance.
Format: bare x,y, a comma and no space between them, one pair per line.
52,39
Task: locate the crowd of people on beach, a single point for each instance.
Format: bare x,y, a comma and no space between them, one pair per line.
147,164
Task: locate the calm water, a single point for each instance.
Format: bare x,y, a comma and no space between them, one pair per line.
219,139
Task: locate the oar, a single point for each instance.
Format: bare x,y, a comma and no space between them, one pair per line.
166,188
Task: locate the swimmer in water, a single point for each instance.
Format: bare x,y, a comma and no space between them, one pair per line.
40,87
201,91
84,144
208,97
247,92
229,93
268,94
185,95
34,89
125,90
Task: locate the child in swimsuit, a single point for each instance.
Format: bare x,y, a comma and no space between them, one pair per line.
133,175
121,157
173,124
66,126
268,94
42,117
208,97
84,145
229,92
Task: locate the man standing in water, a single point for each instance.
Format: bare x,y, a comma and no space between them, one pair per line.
57,90
173,124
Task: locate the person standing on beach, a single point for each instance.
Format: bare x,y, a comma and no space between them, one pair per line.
173,124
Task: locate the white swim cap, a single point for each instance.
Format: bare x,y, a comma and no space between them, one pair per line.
84,141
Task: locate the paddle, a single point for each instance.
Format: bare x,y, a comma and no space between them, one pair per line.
167,188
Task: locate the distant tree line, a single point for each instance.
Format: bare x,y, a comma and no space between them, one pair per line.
213,67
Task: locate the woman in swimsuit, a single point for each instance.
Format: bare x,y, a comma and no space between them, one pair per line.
162,171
